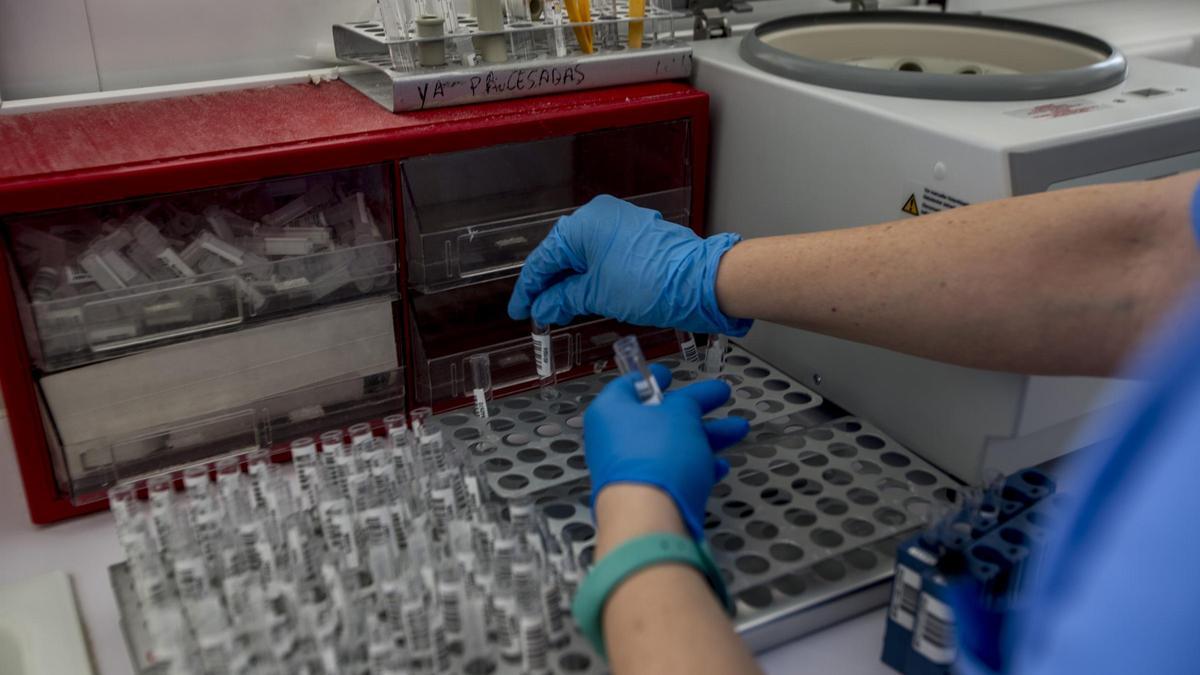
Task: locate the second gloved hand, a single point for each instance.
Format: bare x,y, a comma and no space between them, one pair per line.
668,445
624,262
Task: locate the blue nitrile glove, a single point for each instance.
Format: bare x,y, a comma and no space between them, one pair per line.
622,261
666,445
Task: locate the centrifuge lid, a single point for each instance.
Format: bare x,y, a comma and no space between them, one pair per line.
1036,60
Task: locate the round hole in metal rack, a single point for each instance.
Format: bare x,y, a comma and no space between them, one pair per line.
850,426
548,430
861,496
891,487
755,371
827,538
516,403
830,570
917,507
894,459
498,464
832,506
516,440
577,490
482,448
737,509
946,495
735,459
761,529
768,407
563,408
820,434
757,597
531,416
761,451
743,413
837,477
731,379
919,477
870,442
480,665
777,385
587,556
782,467
752,564
786,552
807,487
577,462
886,515
501,424
752,477
775,497
862,559
548,472
792,441
574,662
683,375
728,542
575,422
865,468
559,510
789,584
749,392
812,458
585,399
721,490
466,434
843,450
800,517
513,481
797,398
857,527
737,360
711,521
454,420
564,446
579,532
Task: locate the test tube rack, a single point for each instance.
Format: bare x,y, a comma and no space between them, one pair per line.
804,528
533,65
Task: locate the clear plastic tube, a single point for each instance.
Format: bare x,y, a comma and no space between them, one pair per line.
543,359
630,360
481,383
304,458
554,17
397,17
714,356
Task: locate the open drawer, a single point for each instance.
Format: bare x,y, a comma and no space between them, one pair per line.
113,279
474,216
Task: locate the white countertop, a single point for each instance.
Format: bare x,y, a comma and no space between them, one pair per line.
85,547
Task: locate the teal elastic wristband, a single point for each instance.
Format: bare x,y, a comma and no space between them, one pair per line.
630,557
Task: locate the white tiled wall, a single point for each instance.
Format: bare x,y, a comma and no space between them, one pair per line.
52,47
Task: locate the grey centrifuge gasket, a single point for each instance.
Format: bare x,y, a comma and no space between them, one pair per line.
529,445
1104,74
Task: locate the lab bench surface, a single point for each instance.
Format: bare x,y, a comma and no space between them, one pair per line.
85,548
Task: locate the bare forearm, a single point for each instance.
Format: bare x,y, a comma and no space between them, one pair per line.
664,619
1062,282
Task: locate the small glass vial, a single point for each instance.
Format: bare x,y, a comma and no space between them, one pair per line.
481,383
630,360
543,359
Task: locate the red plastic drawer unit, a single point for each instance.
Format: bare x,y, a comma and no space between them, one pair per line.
185,277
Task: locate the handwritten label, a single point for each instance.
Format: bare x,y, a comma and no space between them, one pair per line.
494,83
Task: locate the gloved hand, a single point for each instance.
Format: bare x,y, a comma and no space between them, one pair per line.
665,445
622,261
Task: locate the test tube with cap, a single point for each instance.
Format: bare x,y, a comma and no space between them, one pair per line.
687,346
481,383
714,357
543,359
630,360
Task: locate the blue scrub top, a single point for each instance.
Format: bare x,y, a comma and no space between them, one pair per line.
1121,592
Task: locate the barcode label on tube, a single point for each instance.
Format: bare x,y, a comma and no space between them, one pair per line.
905,591
541,355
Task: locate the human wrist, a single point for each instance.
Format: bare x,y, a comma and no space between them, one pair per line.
625,511
720,309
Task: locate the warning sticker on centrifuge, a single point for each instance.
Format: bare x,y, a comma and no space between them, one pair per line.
1049,111
921,200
